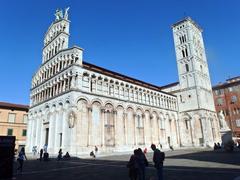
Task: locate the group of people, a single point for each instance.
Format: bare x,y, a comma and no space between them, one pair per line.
138,162
217,146
60,156
92,154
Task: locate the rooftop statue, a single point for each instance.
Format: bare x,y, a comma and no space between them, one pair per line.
66,13
59,14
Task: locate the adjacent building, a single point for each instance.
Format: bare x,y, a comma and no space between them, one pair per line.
227,100
13,122
76,105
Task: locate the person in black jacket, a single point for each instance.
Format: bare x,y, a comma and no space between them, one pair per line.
143,162
158,158
133,166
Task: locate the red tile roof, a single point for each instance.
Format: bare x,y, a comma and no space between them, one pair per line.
6,105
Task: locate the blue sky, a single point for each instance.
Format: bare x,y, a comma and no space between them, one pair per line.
132,37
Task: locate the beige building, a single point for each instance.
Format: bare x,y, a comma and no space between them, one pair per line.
13,122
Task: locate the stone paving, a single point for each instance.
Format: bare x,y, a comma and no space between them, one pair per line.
188,164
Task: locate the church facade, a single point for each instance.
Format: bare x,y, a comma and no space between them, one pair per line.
75,105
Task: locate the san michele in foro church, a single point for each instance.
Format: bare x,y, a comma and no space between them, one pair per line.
76,105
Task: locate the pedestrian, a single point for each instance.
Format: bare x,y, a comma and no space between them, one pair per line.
143,162
133,166
161,146
20,159
41,155
96,150
59,155
45,148
66,156
145,150
34,150
92,154
158,158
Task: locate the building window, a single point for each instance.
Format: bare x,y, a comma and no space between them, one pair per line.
10,132
238,122
219,101
11,117
25,117
219,92
201,68
233,99
186,123
183,53
187,67
230,89
186,52
24,132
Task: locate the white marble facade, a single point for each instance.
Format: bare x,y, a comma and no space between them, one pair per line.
76,105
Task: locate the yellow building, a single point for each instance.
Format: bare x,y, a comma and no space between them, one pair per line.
13,122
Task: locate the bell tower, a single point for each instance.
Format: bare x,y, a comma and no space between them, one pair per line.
194,79
195,98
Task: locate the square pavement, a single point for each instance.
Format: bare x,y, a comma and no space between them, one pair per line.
188,164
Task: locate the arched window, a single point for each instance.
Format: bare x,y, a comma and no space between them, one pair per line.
186,52
180,39
187,67
55,49
183,53
233,99
185,38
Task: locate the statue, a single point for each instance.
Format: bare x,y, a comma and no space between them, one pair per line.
66,13
71,119
58,14
222,121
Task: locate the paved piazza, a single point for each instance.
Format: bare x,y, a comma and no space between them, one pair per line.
179,165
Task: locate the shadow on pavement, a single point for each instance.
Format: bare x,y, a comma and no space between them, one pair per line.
212,156
104,169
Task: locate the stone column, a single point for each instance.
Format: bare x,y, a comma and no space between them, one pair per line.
134,129
144,128
65,138
103,125
56,135
37,131
89,125
158,129
73,82
41,134
34,123
125,127
52,125
151,126
64,85
29,135
115,127
79,81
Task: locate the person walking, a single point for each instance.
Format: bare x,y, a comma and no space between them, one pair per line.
96,150
41,155
20,159
158,158
59,155
143,162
